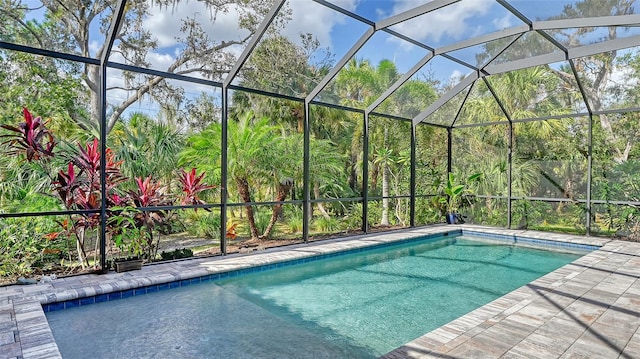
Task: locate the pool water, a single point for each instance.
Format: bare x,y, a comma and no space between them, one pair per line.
359,305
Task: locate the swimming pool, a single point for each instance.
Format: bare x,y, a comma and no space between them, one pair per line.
354,305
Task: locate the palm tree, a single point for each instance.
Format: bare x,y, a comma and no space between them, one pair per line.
358,85
148,147
251,154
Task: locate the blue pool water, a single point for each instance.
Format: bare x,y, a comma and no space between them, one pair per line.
358,305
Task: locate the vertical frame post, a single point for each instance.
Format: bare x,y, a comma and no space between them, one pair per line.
224,171
510,174
449,149
103,169
589,174
306,174
365,172
412,178
110,38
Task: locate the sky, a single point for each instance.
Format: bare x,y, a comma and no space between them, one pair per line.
338,32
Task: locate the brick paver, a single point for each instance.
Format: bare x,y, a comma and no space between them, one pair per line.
588,308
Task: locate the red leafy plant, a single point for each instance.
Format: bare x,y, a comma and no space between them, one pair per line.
150,193
192,185
30,137
78,187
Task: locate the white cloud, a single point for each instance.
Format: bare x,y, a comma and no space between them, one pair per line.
164,23
503,22
349,5
454,21
94,46
308,17
160,61
455,77
311,17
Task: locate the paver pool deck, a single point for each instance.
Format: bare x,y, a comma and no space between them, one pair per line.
589,308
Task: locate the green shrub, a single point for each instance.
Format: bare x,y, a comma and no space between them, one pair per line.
353,219
24,251
176,254
209,226
327,225
202,224
293,218
262,221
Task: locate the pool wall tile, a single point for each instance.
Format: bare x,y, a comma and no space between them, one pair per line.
55,306
521,239
174,280
87,300
71,303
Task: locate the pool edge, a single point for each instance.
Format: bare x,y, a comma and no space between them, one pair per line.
111,283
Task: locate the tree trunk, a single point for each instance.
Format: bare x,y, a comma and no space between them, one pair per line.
399,207
283,188
385,193
243,190
353,176
385,185
316,193
373,177
82,256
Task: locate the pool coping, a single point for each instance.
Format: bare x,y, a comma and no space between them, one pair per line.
22,308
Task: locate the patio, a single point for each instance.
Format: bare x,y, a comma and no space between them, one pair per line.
588,308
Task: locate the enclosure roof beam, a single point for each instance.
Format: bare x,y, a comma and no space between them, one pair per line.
455,118
399,82
483,39
580,86
114,28
168,75
525,63
484,124
606,46
601,21
573,53
408,39
446,97
515,12
620,20
271,15
343,61
48,53
337,8
552,40
415,12
495,96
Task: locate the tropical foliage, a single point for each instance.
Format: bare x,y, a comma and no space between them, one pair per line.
164,162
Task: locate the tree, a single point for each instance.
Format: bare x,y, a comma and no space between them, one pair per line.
251,148
359,84
66,26
596,72
298,69
147,147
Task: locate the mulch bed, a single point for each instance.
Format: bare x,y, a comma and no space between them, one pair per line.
237,246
